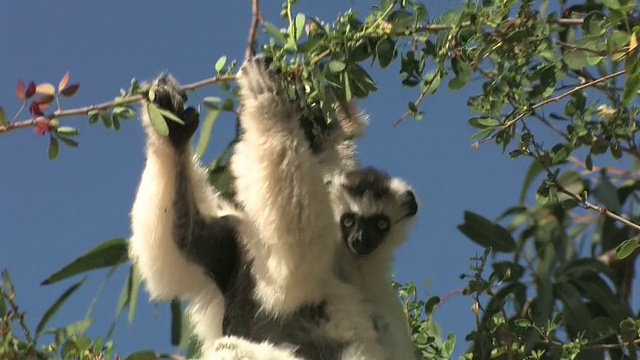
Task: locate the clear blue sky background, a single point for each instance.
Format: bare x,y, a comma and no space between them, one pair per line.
52,211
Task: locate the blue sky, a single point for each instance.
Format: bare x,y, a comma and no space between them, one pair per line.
52,211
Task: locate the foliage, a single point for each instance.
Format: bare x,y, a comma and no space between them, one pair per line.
556,85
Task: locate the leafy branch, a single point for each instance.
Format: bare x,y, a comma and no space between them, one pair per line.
554,99
107,105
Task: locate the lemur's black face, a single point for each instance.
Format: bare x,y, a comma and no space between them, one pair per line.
363,234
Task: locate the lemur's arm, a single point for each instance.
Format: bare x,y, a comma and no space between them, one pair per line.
178,240
280,186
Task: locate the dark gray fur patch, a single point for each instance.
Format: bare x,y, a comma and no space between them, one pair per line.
211,243
303,329
368,181
315,128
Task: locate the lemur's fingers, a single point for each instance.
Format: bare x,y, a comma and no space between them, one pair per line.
256,78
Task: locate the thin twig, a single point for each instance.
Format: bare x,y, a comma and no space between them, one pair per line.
600,209
253,29
118,102
532,108
466,24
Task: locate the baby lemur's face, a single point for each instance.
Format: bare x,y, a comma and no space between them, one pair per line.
372,209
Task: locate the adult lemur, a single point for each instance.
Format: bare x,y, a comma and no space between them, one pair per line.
271,261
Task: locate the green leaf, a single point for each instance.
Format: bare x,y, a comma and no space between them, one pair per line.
53,309
620,5
431,82
430,305
78,327
401,20
109,253
54,148
461,68
576,313
588,163
3,117
275,33
534,170
508,271
176,322
171,116
116,122
607,194
228,105
523,323
69,142
124,112
336,66
596,289
542,195
486,233
449,344
142,355
631,87
157,120
456,83
576,60
106,119
3,305
483,122
94,115
603,326
212,102
385,50
560,152
136,279
124,299
299,22
626,248
67,131
205,131
482,133
222,61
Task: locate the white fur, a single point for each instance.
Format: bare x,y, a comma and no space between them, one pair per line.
286,224
281,189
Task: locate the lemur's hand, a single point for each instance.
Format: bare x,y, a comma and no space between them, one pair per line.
169,96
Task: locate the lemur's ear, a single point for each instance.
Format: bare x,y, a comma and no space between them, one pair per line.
410,204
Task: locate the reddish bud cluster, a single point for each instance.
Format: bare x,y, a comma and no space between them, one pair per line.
42,125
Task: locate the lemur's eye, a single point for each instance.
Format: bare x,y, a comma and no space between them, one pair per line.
382,224
348,221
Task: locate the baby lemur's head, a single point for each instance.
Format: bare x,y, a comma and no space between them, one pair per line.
373,209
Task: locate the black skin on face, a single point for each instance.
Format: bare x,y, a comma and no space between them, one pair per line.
363,234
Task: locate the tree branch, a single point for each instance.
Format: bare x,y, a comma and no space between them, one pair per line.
253,29
532,108
109,104
466,24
